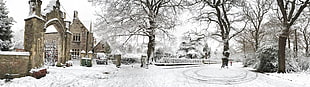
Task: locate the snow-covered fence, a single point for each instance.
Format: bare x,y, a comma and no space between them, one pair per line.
14,63
131,58
128,61
182,61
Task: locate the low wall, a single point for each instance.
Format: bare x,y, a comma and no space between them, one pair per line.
14,63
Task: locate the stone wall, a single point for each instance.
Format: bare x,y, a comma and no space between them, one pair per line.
14,63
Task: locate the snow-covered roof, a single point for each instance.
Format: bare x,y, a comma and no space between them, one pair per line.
101,54
85,58
54,19
69,31
116,51
37,70
34,16
83,51
49,8
14,53
67,24
90,51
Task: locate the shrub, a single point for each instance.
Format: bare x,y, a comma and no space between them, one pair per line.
268,58
58,64
5,45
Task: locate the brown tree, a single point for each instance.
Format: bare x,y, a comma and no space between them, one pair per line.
303,25
138,17
290,10
220,12
255,11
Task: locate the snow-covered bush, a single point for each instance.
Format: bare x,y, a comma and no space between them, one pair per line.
298,64
128,61
250,60
163,52
5,45
304,63
291,63
268,58
207,51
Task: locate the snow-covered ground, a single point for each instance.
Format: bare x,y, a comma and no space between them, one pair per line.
208,75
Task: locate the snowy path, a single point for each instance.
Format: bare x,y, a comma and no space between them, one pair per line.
193,76
157,76
223,77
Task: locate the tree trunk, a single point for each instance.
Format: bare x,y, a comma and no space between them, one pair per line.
226,53
281,54
256,40
288,42
307,50
306,42
150,48
244,49
151,43
295,44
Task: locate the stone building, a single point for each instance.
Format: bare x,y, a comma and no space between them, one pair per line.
37,41
82,38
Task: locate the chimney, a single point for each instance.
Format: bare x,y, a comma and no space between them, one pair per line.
75,15
91,27
35,7
57,4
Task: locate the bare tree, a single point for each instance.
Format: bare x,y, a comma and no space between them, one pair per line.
139,17
246,39
255,11
290,10
303,25
221,12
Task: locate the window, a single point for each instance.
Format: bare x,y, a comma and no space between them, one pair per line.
76,37
75,53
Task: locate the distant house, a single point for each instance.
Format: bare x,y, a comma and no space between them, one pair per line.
102,47
82,38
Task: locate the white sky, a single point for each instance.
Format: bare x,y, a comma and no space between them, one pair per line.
19,10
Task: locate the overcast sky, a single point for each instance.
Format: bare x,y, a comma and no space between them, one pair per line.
19,10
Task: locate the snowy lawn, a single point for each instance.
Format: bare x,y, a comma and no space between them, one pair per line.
207,75
300,77
75,76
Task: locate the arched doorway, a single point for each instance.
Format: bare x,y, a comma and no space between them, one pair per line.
51,44
56,39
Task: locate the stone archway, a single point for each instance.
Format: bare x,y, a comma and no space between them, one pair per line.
35,27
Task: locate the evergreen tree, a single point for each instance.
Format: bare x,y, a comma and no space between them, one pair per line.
5,26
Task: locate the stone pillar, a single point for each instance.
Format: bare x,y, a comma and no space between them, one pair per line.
83,54
117,58
34,35
68,45
34,40
90,54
